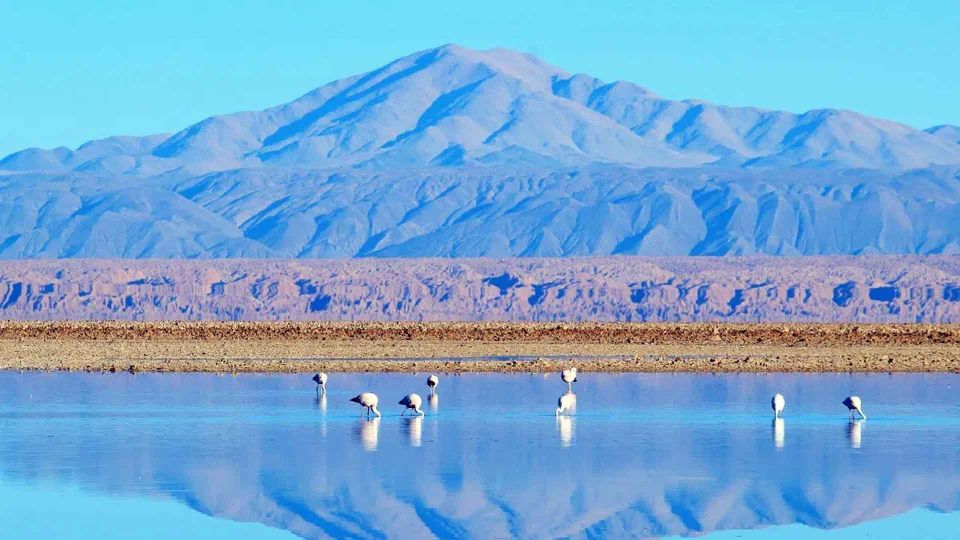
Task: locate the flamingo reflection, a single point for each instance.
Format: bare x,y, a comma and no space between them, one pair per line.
367,433
321,402
566,429
855,433
779,433
413,427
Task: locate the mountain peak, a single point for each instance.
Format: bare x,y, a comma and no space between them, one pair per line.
452,105
946,131
508,62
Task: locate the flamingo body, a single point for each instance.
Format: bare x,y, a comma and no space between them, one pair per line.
853,403
411,401
321,380
566,403
367,400
777,404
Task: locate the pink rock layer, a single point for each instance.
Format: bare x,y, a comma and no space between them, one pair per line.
769,289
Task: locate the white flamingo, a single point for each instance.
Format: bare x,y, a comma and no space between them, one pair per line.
321,380
368,400
411,401
569,376
432,382
778,403
566,403
853,403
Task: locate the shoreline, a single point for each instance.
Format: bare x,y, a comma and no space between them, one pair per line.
288,347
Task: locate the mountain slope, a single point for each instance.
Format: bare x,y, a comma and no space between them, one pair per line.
482,212
452,152
452,106
951,133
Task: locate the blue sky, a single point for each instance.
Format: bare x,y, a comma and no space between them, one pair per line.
73,71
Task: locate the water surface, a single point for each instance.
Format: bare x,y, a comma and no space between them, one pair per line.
259,456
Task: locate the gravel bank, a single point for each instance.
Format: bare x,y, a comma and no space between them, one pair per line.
477,347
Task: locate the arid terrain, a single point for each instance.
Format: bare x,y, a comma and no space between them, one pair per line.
464,347
688,314
679,289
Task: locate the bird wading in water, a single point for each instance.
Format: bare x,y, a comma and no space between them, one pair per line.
411,401
853,403
367,400
321,380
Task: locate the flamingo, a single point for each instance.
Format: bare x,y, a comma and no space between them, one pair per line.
368,400
411,401
566,403
853,403
569,376
432,382
321,380
778,403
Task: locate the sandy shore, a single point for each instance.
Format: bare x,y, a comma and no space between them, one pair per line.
478,347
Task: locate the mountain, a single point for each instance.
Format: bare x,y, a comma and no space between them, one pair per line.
452,152
951,133
454,106
481,212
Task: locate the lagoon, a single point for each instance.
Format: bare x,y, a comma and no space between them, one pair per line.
656,455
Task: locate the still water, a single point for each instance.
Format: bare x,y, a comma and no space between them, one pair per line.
661,455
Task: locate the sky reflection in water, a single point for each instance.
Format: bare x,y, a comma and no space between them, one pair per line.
644,454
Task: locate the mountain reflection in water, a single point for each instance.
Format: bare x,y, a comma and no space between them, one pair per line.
643,454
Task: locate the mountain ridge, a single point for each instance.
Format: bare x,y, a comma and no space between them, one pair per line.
481,212
452,106
452,152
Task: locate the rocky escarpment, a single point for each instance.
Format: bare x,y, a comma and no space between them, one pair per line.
853,289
